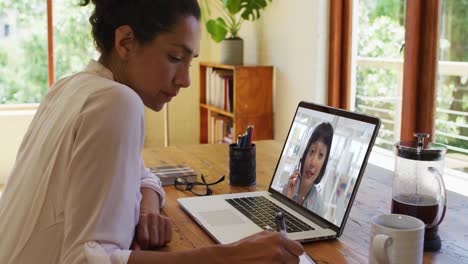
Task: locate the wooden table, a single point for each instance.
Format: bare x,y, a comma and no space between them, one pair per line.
374,197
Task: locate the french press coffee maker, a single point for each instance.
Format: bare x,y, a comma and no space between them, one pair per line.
418,186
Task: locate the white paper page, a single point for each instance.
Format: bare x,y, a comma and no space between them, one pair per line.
305,259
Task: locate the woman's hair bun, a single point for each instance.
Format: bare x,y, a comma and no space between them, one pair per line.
147,18
84,2
95,2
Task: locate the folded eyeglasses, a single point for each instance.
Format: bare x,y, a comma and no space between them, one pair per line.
198,188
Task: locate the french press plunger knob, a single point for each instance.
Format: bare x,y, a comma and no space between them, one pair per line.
421,137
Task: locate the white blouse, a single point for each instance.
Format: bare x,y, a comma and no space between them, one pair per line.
74,193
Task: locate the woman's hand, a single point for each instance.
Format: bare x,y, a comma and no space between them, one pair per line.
260,248
153,230
293,180
265,247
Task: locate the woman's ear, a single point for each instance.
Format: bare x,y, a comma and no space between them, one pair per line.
125,41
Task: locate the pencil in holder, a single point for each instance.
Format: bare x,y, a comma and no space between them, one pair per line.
242,165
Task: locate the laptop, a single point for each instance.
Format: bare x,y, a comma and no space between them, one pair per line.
338,141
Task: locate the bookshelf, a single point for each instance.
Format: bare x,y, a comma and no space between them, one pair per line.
233,97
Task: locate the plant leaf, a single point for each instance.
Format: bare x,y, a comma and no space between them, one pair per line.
251,8
233,6
217,29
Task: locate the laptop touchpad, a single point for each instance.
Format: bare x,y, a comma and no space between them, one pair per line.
221,217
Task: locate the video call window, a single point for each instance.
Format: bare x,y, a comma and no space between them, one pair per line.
321,162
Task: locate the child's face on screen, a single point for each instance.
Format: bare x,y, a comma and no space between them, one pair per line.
314,161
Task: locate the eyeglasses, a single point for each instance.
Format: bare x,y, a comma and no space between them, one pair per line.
198,188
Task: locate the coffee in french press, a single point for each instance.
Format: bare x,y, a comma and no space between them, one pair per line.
418,186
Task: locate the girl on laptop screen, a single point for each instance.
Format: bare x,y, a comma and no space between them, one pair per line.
302,184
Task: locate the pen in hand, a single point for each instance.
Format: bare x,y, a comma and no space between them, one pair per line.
280,224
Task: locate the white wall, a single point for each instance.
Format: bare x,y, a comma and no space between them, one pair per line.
13,126
293,37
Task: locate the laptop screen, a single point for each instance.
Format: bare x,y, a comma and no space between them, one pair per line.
321,161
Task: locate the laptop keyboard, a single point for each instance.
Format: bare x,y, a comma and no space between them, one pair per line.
263,211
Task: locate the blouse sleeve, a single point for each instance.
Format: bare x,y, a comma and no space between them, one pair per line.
151,181
103,193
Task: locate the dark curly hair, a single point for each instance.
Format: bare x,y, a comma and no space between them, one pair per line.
147,18
324,133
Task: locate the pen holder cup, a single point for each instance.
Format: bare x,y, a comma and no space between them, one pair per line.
242,169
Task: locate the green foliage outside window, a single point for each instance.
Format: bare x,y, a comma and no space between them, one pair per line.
452,91
23,54
381,35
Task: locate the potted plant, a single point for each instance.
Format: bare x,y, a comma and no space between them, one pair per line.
225,28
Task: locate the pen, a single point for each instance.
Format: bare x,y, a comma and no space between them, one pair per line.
251,133
244,140
280,224
247,137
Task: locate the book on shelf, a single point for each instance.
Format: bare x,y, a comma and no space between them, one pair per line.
227,140
169,173
219,88
220,128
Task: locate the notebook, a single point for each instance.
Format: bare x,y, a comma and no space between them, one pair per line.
169,173
314,184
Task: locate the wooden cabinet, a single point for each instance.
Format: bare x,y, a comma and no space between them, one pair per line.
233,97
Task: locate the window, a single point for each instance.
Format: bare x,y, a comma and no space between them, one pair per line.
25,51
451,124
396,75
377,79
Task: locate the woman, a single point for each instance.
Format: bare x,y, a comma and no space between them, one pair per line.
79,192
302,184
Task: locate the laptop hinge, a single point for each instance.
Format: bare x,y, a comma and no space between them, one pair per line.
303,211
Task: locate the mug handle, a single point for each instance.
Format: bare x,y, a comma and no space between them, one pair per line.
380,245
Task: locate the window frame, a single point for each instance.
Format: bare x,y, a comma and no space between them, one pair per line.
419,68
50,44
339,53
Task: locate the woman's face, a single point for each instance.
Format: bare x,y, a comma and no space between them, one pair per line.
314,161
157,70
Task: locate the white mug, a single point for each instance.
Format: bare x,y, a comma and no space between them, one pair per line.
396,238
